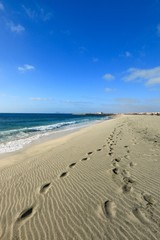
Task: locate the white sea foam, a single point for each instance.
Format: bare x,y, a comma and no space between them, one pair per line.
17,139
19,143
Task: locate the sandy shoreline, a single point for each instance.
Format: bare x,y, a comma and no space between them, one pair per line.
101,182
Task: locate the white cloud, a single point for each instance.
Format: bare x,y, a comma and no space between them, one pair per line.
150,76
153,81
26,67
128,54
108,77
38,13
1,6
108,90
30,13
15,28
40,99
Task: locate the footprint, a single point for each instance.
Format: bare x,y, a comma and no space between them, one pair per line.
128,180
148,198
84,159
125,173
127,188
72,165
64,174
25,214
131,164
110,153
115,164
99,149
89,153
140,214
110,209
44,187
117,159
116,170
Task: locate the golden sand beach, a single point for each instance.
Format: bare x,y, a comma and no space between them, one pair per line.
101,182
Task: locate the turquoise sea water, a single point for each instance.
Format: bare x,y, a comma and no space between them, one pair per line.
17,130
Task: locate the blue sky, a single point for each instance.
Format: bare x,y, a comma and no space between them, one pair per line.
79,56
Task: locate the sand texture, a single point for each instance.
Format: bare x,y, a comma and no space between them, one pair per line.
102,182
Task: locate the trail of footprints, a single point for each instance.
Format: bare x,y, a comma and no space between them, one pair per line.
109,207
29,212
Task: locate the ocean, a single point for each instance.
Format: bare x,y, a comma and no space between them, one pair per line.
18,130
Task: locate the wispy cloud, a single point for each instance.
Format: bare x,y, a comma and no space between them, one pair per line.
40,99
1,6
149,76
38,13
109,90
17,28
108,77
153,81
126,54
25,68
11,25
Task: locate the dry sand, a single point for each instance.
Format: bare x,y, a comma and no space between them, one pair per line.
102,182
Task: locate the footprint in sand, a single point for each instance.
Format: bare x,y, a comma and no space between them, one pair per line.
128,180
139,213
27,213
111,148
115,164
89,153
110,209
132,164
84,159
116,170
148,198
127,187
125,173
117,159
126,146
72,165
99,149
64,174
44,188
110,153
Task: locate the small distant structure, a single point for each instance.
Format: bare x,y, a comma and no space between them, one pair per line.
100,113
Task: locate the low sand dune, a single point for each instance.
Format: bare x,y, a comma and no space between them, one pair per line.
102,182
